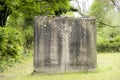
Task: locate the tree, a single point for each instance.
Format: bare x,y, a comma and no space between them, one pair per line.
79,8
116,4
108,26
4,12
98,9
31,8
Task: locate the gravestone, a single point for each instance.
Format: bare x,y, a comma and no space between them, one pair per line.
64,44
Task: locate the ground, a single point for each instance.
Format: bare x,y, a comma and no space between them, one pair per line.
108,68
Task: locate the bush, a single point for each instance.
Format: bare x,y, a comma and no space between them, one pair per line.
108,45
28,34
108,39
28,40
11,46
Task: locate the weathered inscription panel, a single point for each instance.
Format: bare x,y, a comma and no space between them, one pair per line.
64,44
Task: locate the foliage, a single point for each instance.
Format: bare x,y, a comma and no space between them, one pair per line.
108,39
31,8
68,14
28,40
108,25
28,34
98,9
23,12
54,7
19,14
112,17
16,22
11,46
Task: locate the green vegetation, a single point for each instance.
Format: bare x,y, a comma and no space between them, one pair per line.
31,8
108,26
108,68
108,39
16,41
11,46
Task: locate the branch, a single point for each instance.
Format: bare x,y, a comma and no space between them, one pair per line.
79,11
109,25
114,4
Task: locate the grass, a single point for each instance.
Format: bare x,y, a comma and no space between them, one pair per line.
108,68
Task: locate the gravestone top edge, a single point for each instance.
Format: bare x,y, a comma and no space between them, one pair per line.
56,17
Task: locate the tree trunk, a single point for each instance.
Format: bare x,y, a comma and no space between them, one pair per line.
4,13
116,5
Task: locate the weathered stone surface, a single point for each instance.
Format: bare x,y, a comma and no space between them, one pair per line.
64,44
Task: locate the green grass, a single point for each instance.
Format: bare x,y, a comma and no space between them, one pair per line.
108,68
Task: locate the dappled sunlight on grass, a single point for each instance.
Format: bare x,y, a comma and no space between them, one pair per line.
108,68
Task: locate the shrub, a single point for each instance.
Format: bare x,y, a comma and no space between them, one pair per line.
108,45
108,39
28,40
28,34
11,46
